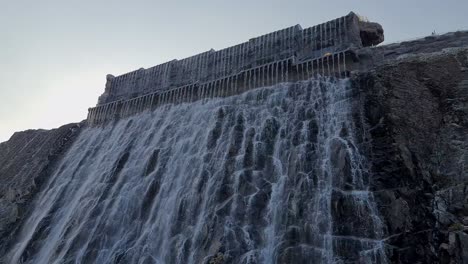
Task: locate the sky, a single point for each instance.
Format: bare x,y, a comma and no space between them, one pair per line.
55,54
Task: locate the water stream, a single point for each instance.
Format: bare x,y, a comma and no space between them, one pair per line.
274,175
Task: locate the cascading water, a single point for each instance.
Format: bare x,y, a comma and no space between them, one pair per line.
270,176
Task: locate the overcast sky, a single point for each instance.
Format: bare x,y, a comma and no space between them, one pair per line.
55,54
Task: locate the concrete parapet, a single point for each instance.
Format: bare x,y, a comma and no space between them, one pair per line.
333,65
344,33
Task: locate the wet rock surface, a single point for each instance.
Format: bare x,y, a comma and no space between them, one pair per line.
417,112
26,161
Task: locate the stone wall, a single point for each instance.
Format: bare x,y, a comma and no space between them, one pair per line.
294,42
287,70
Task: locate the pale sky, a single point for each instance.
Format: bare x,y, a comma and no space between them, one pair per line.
55,54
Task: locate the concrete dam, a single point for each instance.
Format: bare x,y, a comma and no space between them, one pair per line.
287,55
301,146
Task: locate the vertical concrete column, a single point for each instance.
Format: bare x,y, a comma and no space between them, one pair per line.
345,28
221,90
254,79
200,91
159,99
190,96
333,63
152,101
122,109
232,88
203,91
338,65
109,112
135,105
130,107
302,71
95,115
196,92
169,97
208,90
98,114
244,82
254,75
163,98
182,94
344,64
227,86
116,114
173,96
104,116
101,113
88,116
211,89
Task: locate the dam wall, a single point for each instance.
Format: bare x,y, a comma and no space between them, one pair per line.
290,54
288,70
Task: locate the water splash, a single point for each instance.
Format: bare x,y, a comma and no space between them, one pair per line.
270,176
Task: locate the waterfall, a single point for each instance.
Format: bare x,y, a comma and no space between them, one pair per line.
274,175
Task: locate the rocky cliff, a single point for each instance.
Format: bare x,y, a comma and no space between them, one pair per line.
416,109
26,162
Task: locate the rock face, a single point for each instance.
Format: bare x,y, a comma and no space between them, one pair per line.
26,161
417,113
371,33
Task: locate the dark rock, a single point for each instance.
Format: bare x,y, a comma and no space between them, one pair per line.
371,33
26,161
416,110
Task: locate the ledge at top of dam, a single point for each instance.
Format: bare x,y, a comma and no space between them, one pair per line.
290,54
344,33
